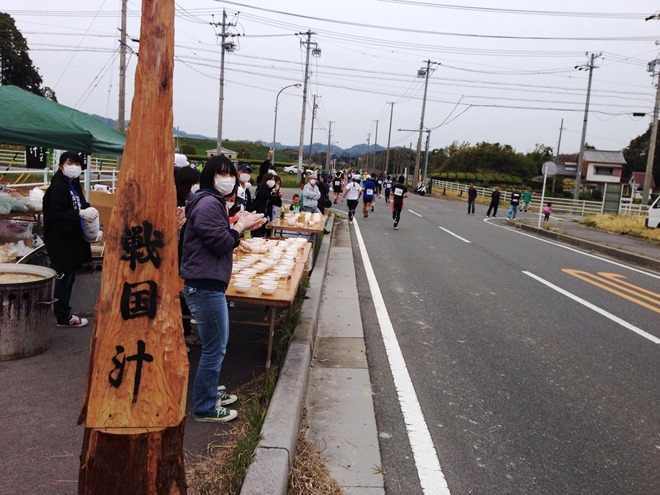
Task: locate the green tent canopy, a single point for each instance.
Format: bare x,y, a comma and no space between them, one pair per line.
31,120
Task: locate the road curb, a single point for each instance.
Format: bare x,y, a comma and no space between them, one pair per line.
268,473
637,259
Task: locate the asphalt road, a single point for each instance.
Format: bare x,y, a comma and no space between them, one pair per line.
524,388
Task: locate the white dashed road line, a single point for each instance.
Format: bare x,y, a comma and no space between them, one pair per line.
455,235
415,213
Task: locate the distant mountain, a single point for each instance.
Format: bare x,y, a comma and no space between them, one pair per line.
355,150
175,132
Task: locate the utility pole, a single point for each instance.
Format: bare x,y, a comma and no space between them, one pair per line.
578,172
375,146
423,72
554,179
327,157
366,163
426,155
229,47
317,53
311,134
121,113
389,137
646,191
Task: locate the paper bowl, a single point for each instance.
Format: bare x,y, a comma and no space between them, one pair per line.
242,287
267,289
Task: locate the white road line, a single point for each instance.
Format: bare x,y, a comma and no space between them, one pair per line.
415,213
426,458
595,308
455,235
621,265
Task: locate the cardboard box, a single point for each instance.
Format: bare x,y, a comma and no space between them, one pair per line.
103,202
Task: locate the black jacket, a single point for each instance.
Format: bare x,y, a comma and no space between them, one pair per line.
472,193
63,233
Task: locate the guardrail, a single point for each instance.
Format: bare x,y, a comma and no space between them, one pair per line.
559,205
20,176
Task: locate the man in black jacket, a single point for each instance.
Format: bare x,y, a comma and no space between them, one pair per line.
494,202
65,208
472,197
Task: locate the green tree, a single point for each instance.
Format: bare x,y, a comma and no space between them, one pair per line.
636,155
16,66
188,149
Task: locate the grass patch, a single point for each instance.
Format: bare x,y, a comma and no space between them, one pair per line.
309,475
224,468
623,224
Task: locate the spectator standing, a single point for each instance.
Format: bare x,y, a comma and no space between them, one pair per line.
514,204
206,265
472,198
65,210
399,193
243,194
526,199
324,200
186,180
311,195
263,200
547,210
494,202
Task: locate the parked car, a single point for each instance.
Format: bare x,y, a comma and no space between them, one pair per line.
292,169
653,220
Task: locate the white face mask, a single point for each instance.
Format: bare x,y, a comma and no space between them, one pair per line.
312,181
72,171
245,178
224,185
230,204
270,183
194,188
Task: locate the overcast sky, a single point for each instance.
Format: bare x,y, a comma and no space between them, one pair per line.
505,68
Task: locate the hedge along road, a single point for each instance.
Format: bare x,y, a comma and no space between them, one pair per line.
523,387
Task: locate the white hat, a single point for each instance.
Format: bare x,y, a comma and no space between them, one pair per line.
180,160
356,177
367,177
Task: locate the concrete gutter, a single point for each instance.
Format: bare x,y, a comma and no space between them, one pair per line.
637,259
269,472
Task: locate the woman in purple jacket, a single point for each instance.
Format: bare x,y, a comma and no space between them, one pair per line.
206,263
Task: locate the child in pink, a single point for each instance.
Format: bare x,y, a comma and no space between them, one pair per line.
546,212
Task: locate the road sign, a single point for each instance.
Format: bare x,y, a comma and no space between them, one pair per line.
549,168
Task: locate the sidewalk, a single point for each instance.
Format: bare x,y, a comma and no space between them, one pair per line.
567,229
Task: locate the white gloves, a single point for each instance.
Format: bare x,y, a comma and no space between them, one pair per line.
99,236
89,214
248,221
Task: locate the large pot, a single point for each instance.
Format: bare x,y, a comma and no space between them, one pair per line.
24,310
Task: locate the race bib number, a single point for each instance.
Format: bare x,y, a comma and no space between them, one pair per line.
369,192
398,191
337,183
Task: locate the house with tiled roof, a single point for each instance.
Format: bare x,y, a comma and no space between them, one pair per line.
602,167
636,184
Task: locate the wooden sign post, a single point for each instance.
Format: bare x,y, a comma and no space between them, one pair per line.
134,404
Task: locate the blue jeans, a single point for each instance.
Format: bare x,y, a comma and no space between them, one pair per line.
513,212
209,308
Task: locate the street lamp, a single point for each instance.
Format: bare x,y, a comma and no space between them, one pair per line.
297,85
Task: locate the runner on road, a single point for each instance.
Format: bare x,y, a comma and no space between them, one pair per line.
336,186
388,187
400,193
369,187
352,193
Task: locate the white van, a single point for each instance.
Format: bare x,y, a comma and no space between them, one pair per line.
653,220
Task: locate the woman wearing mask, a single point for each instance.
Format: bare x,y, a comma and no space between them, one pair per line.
263,200
206,265
311,195
65,207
